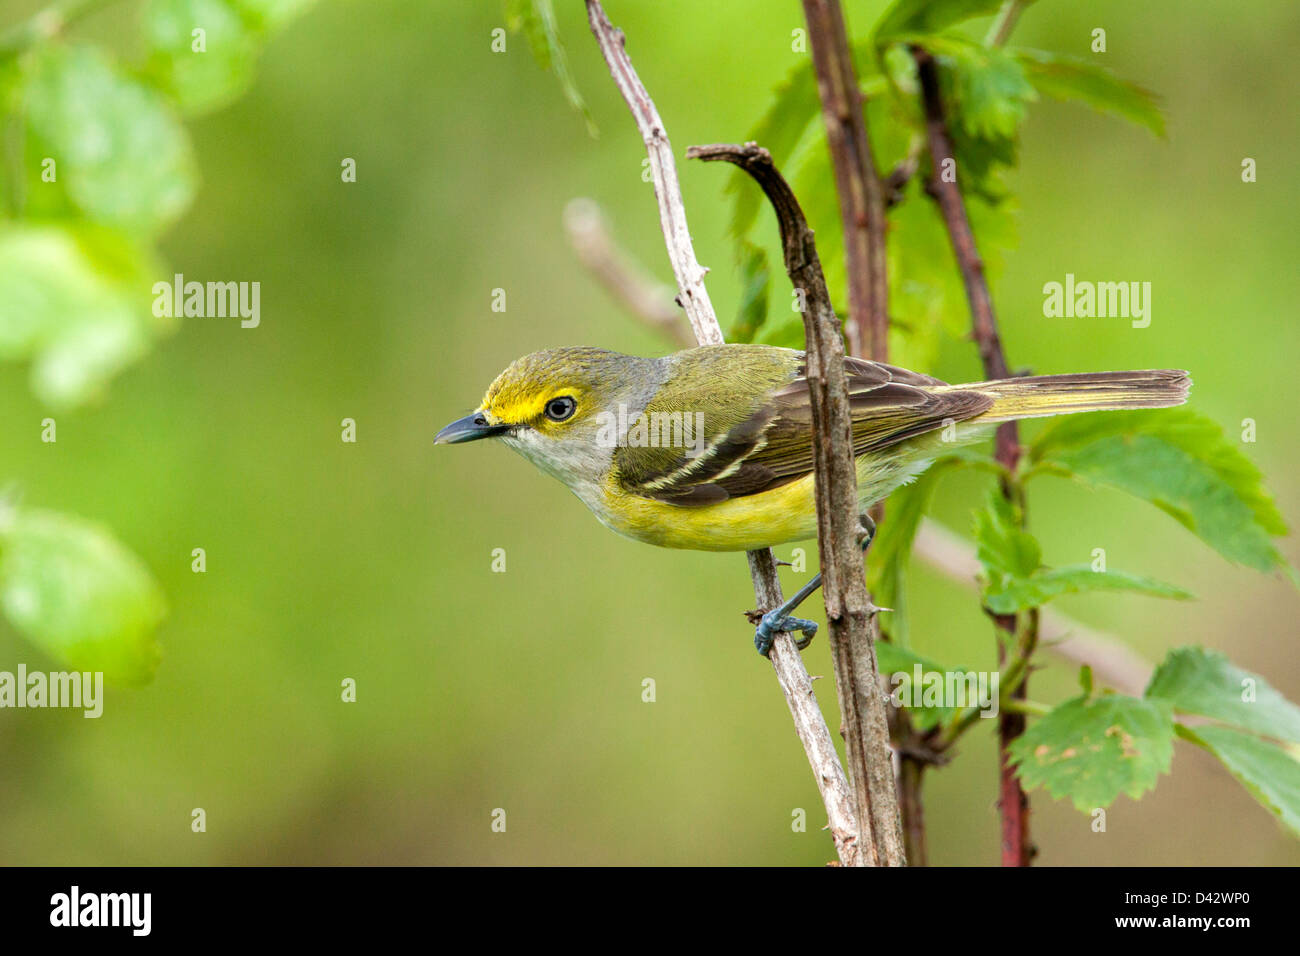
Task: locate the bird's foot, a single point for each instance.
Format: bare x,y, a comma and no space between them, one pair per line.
774,622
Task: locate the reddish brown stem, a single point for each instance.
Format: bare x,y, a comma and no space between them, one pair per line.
942,186
862,196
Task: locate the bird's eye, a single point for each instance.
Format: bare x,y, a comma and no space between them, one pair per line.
558,409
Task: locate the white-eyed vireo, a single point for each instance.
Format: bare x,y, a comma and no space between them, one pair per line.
711,448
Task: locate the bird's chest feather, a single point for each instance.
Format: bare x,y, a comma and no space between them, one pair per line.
784,514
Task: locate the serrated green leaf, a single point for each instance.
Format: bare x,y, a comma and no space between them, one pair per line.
1012,594
1069,78
1091,751
929,16
1204,682
78,594
123,157
990,92
986,94
895,664
1181,462
755,280
536,20
200,80
76,304
1270,773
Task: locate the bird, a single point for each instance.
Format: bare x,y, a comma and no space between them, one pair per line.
711,448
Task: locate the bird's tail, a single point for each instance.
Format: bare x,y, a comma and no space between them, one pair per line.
1040,395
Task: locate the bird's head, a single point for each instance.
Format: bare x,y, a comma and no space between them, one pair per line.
554,408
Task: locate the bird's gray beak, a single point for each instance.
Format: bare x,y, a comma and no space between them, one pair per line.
470,428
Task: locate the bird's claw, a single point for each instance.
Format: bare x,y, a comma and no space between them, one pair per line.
773,623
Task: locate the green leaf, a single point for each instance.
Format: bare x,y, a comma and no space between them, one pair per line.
755,280
793,111
987,94
123,157
1069,78
1015,579
1181,462
1091,751
891,550
76,304
536,20
929,16
212,76
1012,594
1085,680
990,92
1002,546
78,594
1270,773
895,663
1205,682
272,15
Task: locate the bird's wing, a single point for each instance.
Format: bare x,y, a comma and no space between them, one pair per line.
754,449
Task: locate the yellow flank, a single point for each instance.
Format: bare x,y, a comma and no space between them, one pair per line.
784,514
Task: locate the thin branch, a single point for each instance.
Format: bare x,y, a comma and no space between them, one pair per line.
809,723
1012,803
862,198
622,278
849,610
692,294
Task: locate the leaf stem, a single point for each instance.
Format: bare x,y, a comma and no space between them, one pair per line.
1005,22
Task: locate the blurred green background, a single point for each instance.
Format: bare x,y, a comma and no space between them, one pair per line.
522,690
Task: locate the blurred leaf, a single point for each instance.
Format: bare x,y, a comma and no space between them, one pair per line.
1205,682
1069,78
1093,750
791,129
891,551
1181,462
536,19
76,304
755,278
79,595
273,14
892,660
201,80
1270,773
1013,594
1002,546
929,16
122,155
793,109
